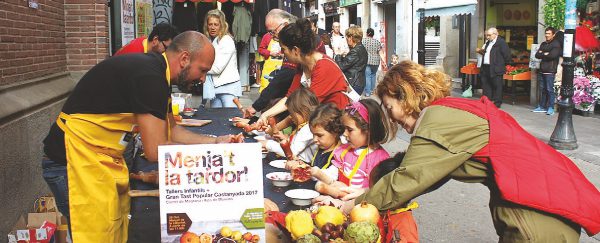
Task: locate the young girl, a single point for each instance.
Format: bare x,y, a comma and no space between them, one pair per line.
326,127
299,104
365,129
395,60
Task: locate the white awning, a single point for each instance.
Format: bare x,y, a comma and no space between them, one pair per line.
449,7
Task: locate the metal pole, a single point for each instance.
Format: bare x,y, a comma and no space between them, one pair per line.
563,137
421,37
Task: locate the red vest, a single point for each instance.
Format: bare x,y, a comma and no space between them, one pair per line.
531,173
135,46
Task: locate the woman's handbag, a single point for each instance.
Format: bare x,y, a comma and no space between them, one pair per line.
350,92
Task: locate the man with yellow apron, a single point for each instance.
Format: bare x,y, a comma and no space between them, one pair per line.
114,100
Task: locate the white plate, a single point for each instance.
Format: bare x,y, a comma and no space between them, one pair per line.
259,133
280,163
302,194
279,176
260,138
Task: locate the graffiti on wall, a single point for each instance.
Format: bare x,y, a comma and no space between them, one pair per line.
163,11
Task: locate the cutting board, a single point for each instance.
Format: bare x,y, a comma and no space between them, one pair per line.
193,122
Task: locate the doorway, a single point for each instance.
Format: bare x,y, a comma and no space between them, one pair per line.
390,31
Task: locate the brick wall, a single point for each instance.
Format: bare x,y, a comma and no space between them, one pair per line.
86,31
32,41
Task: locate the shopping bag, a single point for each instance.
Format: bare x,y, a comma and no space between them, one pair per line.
468,93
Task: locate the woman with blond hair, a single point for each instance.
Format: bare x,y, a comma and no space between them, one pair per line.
354,63
223,80
536,193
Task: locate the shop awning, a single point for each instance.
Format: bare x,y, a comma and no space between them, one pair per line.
210,1
449,8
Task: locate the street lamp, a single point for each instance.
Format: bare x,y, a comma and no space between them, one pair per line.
563,136
421,37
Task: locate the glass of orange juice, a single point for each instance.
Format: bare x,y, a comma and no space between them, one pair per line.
175,109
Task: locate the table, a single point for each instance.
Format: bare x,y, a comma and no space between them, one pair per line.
144,225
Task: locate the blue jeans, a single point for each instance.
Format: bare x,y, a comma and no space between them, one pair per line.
371,78
547,96
222,101
55,175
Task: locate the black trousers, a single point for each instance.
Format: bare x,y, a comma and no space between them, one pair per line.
492,85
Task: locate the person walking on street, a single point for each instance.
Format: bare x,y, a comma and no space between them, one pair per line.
354,63
223,80
374,49
84,165
159,39
496,55
338,42
549,52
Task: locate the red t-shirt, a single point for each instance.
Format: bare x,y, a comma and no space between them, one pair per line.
327,82
135,46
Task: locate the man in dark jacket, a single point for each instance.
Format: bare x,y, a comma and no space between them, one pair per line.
549,52
354,63
496,55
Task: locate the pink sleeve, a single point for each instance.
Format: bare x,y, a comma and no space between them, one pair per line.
376,158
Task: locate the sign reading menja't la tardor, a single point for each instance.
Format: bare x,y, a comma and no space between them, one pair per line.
204,188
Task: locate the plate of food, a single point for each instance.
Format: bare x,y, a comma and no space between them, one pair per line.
301,197
280,163
280,179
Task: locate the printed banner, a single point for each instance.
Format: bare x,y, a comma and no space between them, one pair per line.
127,22
212,191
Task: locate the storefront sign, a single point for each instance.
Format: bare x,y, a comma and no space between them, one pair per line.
204,188
330,8
346,3
144,16
127,22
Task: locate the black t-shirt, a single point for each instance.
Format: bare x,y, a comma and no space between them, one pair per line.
131,83
321,158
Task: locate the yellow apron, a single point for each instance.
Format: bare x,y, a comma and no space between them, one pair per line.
98,177
269,66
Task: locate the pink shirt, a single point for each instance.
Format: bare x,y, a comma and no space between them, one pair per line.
361,178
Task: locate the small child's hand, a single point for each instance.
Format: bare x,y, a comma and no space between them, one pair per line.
279,136
327,201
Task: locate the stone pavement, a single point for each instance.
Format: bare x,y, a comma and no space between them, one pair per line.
459,212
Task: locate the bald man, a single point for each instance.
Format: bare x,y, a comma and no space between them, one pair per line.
496,55
117,98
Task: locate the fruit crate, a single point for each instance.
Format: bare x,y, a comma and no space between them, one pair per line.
520,76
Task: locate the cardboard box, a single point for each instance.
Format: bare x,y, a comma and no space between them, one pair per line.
36,228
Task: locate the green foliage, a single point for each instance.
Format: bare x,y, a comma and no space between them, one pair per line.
582,5
554,13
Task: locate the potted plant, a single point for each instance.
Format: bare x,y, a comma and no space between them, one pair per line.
586,93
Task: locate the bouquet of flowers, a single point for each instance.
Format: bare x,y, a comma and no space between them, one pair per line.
586,91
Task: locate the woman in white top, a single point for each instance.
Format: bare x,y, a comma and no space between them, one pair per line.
223,82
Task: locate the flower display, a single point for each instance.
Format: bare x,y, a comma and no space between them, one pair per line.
586,91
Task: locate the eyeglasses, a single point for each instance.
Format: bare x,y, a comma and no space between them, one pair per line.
165,46
272,32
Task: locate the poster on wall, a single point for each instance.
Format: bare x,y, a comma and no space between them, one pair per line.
127,22
210,192
144,16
